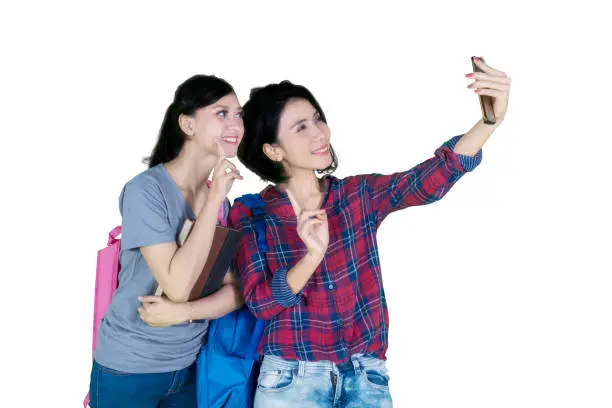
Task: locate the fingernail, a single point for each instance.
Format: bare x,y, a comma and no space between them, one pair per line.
476,58
477,90
470,85
469,75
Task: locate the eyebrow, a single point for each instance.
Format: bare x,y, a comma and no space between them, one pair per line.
299,122
226,107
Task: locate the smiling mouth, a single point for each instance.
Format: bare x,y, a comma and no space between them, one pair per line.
230,139
322,151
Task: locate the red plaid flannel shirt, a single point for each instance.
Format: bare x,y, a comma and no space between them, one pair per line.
342,309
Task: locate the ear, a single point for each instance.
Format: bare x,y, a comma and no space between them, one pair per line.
187,125
274,153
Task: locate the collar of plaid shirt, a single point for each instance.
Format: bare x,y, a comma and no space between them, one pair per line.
342,309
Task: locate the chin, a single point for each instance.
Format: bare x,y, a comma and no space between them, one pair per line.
324,163
231,152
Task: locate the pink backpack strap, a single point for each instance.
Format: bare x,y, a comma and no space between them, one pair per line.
112,236
221,216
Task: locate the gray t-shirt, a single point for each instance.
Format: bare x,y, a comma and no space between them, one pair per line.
153,211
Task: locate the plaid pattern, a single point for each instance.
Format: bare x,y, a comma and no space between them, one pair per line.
342,309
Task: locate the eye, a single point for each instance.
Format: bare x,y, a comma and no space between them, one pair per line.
222,113
239,115
300,128
317,118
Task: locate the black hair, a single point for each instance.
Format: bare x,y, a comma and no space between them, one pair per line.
261,115
196,92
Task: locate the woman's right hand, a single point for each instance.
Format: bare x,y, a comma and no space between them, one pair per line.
158,311
312,228
224,174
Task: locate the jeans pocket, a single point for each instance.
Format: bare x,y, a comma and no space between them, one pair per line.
110,371
275,380
377,378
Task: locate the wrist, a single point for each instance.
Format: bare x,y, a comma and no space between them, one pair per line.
217,198
312,259
212,206
498,121
188,312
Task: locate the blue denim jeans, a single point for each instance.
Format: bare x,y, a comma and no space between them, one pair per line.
115,389
360,383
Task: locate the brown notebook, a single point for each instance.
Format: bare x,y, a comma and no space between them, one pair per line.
222,251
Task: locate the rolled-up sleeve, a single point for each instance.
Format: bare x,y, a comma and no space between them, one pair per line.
468,163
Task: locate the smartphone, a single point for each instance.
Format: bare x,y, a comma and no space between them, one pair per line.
486,102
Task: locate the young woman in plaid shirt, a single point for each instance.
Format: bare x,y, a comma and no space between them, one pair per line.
319,287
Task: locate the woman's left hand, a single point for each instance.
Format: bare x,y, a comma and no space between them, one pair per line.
493,83
159,311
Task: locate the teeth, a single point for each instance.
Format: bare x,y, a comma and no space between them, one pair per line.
230,139
321,150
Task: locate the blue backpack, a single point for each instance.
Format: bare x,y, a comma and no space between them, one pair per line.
228,365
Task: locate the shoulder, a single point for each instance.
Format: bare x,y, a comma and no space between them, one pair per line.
240,213
147,186
239,209
350,184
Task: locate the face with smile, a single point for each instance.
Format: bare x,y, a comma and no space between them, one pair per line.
303,139
221,121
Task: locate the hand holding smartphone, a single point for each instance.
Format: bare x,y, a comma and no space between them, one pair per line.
486,102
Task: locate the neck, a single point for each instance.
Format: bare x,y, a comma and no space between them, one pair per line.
190,170
306,188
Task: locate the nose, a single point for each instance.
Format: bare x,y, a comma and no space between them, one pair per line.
318,134
234,123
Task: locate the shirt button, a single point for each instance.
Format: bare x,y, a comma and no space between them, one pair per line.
331,286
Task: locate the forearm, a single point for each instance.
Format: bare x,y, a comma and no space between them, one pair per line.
471,142
189,260
227,299
300,274
271,297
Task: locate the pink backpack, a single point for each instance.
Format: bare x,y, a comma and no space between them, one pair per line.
107,273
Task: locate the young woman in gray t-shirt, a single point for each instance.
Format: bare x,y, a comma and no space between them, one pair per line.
138,363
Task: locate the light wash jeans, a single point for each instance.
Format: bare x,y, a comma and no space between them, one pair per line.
363,382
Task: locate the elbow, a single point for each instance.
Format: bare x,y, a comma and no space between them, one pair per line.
256,311
175,287
263,316
177,298
177,295
438,194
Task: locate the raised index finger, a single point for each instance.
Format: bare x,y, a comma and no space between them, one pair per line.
220,152
296,207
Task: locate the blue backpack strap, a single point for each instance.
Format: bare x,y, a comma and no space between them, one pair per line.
255,203
251,351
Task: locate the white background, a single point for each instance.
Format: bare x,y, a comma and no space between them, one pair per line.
499,295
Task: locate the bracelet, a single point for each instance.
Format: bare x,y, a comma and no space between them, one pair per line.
192,312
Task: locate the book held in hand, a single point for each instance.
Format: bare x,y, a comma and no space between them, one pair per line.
222,251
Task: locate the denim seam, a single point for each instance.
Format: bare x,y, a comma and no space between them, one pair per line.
97,385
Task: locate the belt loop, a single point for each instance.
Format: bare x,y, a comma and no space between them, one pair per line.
356,365
301,368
